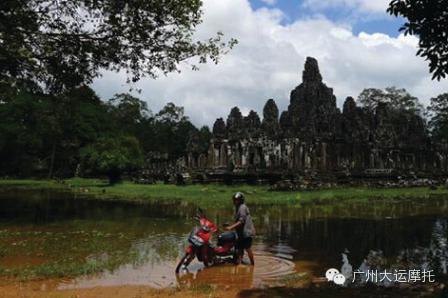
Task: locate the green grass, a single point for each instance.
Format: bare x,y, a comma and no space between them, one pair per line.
215,195
83,246
76,250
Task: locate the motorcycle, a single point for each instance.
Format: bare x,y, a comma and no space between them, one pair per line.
201,247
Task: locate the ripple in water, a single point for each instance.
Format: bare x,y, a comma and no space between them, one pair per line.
268,270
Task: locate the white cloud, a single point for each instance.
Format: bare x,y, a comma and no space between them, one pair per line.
269,2
376,6
268,62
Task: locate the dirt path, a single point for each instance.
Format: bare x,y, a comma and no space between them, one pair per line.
48,289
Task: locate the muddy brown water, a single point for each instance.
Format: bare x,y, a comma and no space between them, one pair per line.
292,241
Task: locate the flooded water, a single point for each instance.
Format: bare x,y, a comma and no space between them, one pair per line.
139,244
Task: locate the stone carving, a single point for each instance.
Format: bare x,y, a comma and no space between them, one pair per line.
270,123
235,124
219,129
312,138
252,124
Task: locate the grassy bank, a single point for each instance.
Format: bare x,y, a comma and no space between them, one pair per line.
213,195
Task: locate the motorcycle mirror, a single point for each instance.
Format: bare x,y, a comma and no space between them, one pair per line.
200,211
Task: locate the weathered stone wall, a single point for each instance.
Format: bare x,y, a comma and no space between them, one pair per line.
314,137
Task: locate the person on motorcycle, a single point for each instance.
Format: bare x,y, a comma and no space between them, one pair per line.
244,228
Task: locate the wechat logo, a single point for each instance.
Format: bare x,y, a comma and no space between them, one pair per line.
335,276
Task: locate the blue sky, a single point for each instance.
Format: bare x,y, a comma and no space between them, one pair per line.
377,21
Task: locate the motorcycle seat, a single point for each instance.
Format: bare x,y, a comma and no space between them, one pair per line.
227,236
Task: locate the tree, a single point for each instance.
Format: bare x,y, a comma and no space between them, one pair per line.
402,100
80,119
396,98
429,21
198,140
169,124
171,113
22,130
112,156
438,110
370,98
129,112
63,44
205,135
42,134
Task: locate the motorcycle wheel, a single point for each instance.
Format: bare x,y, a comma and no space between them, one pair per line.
182,262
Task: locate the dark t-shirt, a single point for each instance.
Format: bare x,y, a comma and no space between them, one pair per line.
247,228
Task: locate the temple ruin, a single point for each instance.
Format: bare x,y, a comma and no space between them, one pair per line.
314,138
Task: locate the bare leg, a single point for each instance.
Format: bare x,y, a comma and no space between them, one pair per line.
205,255
251,256
239,256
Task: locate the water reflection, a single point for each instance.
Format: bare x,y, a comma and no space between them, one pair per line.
48,207
305,239
431,258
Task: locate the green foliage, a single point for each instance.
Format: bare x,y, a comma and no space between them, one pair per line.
438,110
396,98
23,127
63,44
112,156
205,136
216,196
429,21
128,110
171,113
41,133
397,113
168,125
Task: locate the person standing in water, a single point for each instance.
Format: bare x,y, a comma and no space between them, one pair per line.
244,227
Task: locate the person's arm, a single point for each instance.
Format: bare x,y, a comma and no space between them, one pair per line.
234,226
241,218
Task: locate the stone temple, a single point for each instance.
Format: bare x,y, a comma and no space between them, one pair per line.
314,138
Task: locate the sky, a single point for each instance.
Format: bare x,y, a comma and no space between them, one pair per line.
358,45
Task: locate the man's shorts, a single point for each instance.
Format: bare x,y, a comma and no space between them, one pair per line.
244,243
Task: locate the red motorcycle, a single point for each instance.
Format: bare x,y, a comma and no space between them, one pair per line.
201,247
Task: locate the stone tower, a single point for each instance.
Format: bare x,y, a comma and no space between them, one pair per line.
312,107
